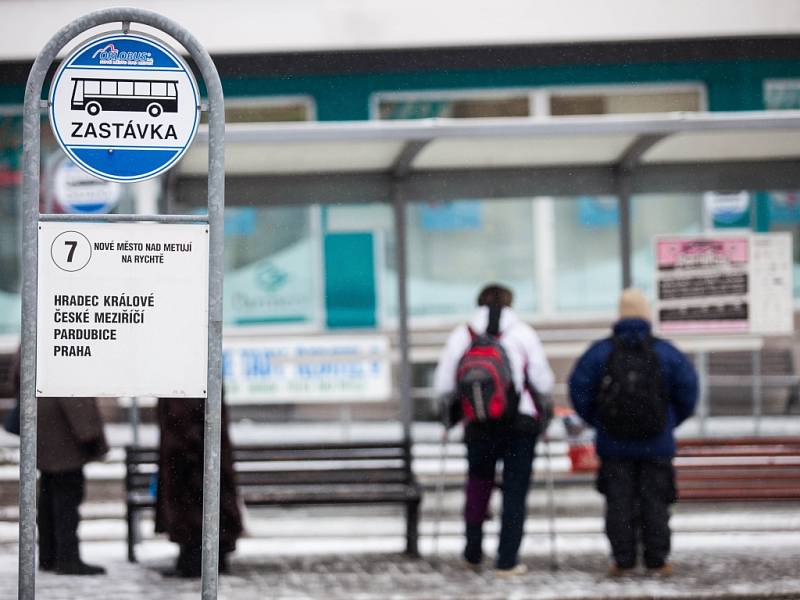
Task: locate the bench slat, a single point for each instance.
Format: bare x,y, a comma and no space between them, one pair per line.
321,477
736,494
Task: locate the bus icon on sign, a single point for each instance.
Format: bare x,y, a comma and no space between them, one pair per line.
134,95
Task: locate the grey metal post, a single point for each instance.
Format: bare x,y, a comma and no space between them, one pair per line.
134,418
701,364
30,198
30,286
404,370
625,230
758,391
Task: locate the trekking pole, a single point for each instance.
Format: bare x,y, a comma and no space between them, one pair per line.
440,489
551,505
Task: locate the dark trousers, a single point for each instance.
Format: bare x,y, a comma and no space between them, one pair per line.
60,495
638,495
516,450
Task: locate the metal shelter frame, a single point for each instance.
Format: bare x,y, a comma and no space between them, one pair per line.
31,218
710,152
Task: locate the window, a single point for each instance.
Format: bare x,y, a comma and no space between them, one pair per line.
782,94
91,87
108,88
159,88
267,110
468,107
125,88
625,100
576,100
141,88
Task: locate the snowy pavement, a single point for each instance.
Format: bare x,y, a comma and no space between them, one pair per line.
745,551
336,564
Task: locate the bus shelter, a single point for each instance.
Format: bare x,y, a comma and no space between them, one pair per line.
399,162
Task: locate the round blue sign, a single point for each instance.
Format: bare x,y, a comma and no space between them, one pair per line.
124,107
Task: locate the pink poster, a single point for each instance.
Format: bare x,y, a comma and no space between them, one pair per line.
703,284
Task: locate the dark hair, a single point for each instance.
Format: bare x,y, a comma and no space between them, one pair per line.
495,295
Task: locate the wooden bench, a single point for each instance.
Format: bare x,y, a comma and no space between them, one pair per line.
298,474
738,469
725,469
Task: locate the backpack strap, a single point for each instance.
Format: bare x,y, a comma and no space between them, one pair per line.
493,328
472,334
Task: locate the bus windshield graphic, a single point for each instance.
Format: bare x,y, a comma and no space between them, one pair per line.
134,95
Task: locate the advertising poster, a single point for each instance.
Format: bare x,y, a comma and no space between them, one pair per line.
308,369
739,283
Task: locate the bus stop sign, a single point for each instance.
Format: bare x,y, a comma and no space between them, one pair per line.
124,107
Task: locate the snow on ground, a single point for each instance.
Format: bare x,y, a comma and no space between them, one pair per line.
335,564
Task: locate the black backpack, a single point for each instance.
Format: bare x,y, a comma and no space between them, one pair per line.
483,376
631,402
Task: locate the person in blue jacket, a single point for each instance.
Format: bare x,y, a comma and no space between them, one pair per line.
636,476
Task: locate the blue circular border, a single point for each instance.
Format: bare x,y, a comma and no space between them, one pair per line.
183,67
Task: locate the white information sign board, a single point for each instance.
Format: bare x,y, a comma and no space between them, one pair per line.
771,284
728,283
122,309
308,369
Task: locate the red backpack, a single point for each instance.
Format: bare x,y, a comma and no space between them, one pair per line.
483,378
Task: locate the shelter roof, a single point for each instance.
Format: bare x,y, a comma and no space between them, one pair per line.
439,159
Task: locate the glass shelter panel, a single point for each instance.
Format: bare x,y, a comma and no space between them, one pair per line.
784,215
587,253
270,266
454,248
658,214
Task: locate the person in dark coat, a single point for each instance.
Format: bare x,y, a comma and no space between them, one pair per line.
636,476
179,497
69,435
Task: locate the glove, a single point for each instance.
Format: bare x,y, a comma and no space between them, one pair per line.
94,449
546,410
449,411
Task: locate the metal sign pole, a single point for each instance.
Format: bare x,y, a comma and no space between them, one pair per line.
31,217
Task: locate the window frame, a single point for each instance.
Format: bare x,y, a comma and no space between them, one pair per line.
538,96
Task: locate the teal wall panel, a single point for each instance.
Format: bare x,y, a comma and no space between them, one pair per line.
731,84
350,290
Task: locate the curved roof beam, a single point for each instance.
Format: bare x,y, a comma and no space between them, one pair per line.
405,158
632,155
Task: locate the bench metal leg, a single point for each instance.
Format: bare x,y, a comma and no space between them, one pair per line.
131,519
412,528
